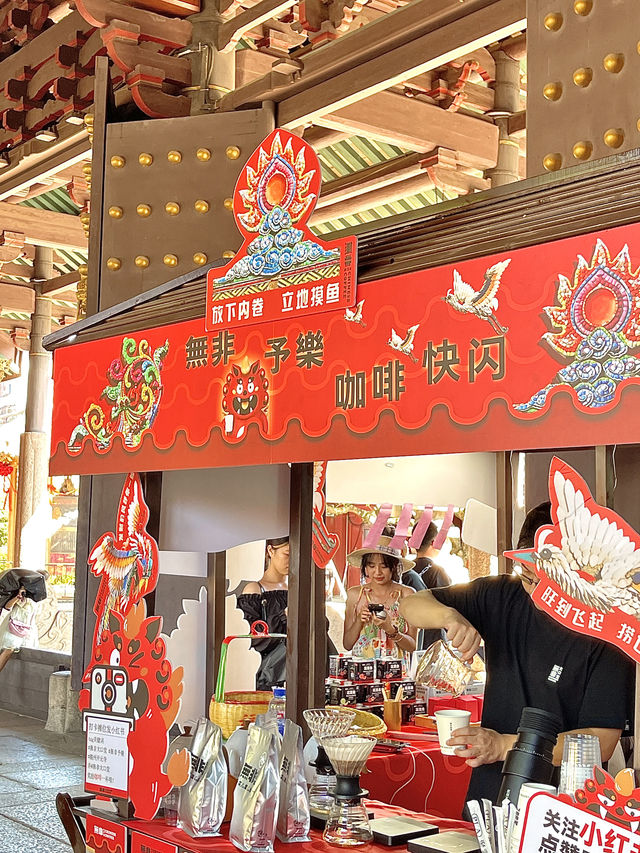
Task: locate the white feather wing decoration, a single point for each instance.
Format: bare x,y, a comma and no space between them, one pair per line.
592,543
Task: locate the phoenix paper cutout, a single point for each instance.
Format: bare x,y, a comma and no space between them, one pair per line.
125,561
588,563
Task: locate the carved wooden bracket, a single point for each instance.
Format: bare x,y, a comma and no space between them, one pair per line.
26,105
325,21
11,246
447,173
138,42
22,21
147,88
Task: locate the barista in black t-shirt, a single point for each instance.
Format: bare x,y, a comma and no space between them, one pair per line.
531,660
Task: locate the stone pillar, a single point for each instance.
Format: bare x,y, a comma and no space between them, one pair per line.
507,102
213,74
32,499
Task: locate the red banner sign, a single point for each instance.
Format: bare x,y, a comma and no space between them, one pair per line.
535,348
282,270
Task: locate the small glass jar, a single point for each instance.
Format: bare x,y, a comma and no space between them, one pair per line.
348,824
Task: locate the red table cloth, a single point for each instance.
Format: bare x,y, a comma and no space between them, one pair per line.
419,778
171,834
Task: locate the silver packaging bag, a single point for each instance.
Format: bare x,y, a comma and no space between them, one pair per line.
255,800
203,799
293,813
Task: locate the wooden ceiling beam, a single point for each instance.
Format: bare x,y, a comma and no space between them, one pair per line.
367,201
43,227
496,20
60,156
367,180
366,44
323,137
60,283
230,32
16,297
16,270
419,126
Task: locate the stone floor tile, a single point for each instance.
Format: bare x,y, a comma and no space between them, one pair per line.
41,815
46,778
17,838
10,786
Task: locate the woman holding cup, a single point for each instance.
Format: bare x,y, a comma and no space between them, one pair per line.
373,624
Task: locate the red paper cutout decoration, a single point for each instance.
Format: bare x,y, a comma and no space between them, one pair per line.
324,544
130,680
588,563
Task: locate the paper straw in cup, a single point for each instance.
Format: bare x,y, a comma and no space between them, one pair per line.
447,722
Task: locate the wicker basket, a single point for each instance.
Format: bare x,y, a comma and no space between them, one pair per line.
236,708
366,723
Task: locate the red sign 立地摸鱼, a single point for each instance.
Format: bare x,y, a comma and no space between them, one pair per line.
282,270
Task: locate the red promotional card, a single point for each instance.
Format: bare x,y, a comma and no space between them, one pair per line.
105,836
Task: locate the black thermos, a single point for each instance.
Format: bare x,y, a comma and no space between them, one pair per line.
531,759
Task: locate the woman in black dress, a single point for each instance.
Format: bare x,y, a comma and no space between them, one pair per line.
266,600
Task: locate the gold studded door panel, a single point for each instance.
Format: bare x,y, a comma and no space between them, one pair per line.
582,67
167,196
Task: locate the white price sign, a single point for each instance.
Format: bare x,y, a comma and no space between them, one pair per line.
552,826
107,755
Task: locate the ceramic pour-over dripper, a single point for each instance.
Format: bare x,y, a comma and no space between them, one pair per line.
348,824
348,755
325,722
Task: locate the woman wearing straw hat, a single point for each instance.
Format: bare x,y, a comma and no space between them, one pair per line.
373,625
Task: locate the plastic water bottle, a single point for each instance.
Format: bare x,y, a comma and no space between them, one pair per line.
279,705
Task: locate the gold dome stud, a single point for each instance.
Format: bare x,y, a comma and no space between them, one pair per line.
143,210
201,206
86,170
552,91
614,137
553,21
174,157
145,159
552,162
116,212
613,62
582,7
582,77
89,119
232,152
170,260
228,254
172,208
203,154
582,150
200,259
113,264
117,161
85,218
141,261
228,203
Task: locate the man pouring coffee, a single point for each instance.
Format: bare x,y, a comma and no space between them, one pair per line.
531,661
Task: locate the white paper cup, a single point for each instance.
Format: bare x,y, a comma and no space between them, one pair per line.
447,722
